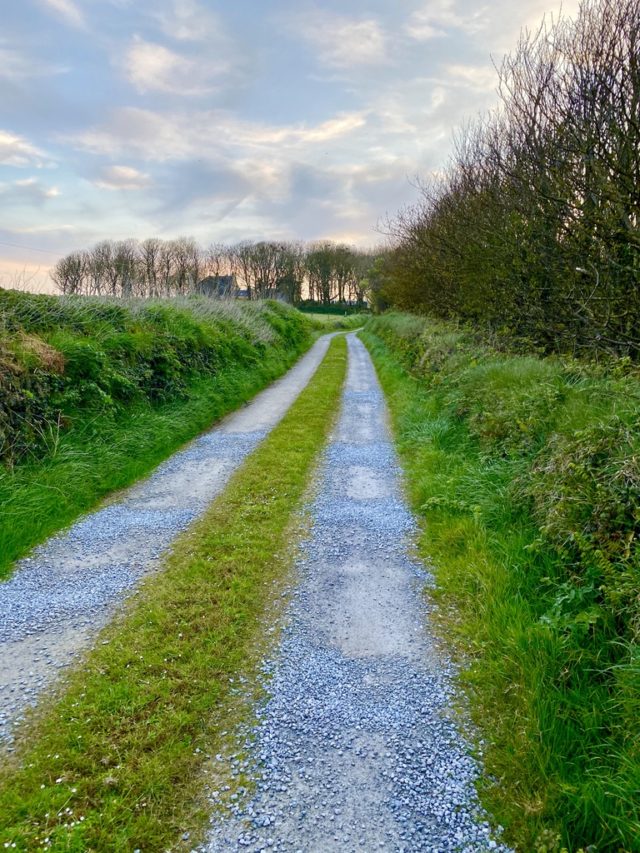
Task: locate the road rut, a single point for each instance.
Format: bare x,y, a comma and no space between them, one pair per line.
357,747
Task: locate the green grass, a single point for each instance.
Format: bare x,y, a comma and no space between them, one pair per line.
335,322
95,393
102,455
119,748
525,472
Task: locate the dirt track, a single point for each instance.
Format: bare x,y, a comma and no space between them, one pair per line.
357,748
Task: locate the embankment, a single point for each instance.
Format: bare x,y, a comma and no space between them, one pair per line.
94,393
526,472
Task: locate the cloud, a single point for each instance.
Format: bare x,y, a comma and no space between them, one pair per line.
47,229
438,16
28,191
343,42
68,10
313,124
18,65
498,22
152,67
162,137
480,77
186,20
122,178
16,151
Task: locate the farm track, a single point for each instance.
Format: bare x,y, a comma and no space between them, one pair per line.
69,588
357,747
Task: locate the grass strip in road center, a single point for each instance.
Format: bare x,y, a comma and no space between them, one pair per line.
115,763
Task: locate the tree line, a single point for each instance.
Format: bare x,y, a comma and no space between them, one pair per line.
323,272
533,229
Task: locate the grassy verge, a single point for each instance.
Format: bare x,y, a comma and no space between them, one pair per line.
112,765
336,322
94,394
103,455
524,471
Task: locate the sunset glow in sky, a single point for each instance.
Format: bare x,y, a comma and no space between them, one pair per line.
232,120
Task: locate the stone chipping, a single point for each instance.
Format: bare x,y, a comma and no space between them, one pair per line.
58,598
356,747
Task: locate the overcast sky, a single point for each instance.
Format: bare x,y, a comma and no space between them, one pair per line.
244,119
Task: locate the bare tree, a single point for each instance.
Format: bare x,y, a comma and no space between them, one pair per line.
68,273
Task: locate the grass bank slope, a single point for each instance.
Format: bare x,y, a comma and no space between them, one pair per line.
94,393
117,763
527,474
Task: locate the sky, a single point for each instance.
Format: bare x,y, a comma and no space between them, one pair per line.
227,120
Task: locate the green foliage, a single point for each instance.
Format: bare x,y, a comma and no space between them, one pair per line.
527,474
118,762
87,407
594,520
335,322
89,355
342,309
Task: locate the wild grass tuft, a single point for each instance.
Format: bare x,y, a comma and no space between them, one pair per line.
94,393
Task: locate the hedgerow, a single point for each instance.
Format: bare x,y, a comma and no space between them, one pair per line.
95,393
527,473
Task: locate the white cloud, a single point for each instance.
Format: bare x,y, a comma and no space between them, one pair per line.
343,42
154,68
17,151
122,178
269,150
480,77
437,16
498,22
18,65
68,10
27,191
177,136
186,20
47,229
214,156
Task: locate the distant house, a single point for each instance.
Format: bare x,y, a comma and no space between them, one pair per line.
218,286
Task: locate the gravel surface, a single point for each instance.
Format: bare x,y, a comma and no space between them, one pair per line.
357,747
59,597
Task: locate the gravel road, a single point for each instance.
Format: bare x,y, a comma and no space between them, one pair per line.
356,748
59,597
